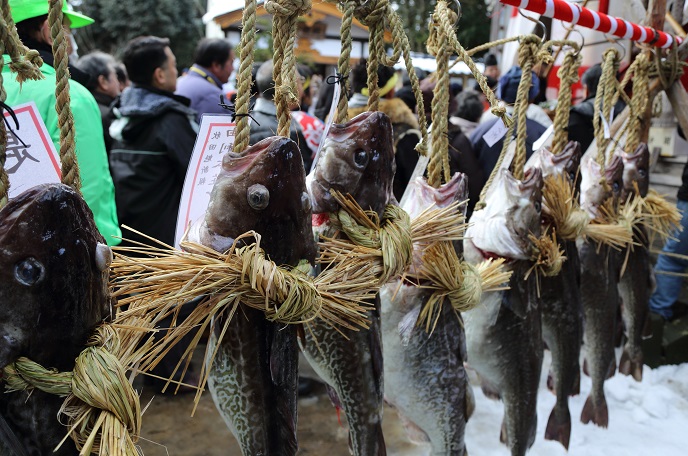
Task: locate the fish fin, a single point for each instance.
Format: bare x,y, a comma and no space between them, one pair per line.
575,389
550,382
414,433
374,335
628,366
598,414
469,402
612,369
284,375
406,325
381,445
503,438
517,298
585,367
489,390
559,427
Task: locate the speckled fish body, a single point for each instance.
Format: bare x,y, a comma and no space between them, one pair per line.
503,333
425,379
253,379
562,314
637,283
358,159
599,266
53,293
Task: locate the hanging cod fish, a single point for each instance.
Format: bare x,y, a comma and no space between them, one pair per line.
637,282
503,333
357,158
599,267
253,379
425,379
53,293
560,303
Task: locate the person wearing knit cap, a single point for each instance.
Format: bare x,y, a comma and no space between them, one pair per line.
491,67
507,91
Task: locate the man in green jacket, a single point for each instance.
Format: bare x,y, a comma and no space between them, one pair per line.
31,17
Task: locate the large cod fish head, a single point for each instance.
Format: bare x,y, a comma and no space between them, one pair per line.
512,212
424,196
54,285
636,170
568,161
262,189
357,158
598,186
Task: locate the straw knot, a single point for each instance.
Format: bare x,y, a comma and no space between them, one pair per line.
371,12
102,406
288,7
392,236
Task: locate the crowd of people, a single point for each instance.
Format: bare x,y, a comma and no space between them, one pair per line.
133,161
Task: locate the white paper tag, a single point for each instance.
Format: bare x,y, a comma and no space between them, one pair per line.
543,139
31,155
495,133
330,121
215,138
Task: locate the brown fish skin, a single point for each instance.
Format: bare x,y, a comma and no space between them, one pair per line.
53,293
504,333
353,367
254,377
562,316
600,300
636,284
355,160
425,377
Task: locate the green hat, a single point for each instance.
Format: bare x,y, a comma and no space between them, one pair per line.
26,9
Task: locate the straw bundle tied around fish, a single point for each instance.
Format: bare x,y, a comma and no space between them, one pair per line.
570,221
104,415
387,246
460,282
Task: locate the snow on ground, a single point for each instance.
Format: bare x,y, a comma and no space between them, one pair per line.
650,418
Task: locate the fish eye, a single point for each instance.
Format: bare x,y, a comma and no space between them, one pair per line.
572,176
258,197
642,172
538,206
29,271
616,187
361,158
306,202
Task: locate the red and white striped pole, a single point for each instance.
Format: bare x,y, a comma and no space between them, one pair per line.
585,17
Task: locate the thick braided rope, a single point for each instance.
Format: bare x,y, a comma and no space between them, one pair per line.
244,77
495,108
568,75
639,100
392,237
103,408
285,14
65,121
438,168
603,101
527,53
344,63
371,13
26,63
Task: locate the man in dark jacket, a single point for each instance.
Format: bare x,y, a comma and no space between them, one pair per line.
265,115
581,127
154,136
104,86
213,64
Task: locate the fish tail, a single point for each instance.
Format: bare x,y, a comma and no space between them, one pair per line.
595,410
631,365
559,425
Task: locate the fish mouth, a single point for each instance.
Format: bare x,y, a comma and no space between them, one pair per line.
487,255
236,164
